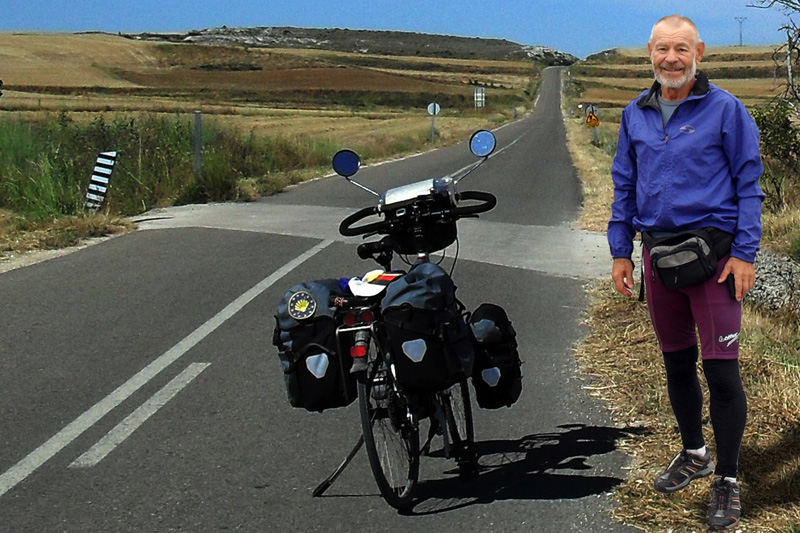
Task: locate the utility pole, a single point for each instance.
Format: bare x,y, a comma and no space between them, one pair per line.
741,20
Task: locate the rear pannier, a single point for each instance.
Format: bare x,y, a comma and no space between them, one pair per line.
316,376
496,374
430,343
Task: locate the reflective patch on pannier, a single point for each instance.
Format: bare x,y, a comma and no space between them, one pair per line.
317,365
415,349
491,376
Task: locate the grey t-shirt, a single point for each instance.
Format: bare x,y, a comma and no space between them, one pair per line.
667,108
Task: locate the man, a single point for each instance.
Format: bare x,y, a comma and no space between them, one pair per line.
688,158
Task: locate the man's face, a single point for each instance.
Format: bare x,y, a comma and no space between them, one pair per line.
674,54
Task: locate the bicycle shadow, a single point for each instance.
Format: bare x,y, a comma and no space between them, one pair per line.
545,466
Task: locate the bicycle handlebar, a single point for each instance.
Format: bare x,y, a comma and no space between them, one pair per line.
346,229
488,202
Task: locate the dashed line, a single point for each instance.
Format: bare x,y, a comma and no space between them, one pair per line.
132,422
17,473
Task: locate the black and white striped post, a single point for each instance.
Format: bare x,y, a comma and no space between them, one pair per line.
98,184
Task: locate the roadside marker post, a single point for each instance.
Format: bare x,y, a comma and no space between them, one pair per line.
99,182
479,93
433,110
198,144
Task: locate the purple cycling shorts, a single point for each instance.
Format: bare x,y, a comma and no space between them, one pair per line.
708,306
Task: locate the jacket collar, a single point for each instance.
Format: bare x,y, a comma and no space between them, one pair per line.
650,99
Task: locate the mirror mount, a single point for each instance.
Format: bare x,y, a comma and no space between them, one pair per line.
346,163
482,144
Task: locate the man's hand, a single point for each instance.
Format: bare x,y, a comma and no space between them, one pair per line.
744,274
622,274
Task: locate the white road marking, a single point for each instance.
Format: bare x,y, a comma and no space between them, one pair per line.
124,429
74,429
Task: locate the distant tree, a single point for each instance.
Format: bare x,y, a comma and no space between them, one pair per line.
788,53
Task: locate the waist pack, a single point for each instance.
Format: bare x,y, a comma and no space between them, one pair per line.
687,258
316,375
428,339
496,374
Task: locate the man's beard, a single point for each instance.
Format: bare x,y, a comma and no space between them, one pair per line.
676,84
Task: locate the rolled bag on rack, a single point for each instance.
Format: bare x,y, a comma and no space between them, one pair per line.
429,341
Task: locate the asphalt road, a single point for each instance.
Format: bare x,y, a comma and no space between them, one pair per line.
139,390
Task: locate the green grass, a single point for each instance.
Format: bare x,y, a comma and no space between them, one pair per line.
45,166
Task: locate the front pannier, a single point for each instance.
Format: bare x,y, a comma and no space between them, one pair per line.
496,374
316,376
430,343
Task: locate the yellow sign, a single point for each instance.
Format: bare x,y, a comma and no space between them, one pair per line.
592,121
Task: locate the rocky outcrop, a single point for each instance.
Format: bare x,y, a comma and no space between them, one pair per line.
368,42
777,282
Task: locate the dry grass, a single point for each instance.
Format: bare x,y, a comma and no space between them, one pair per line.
622,362
106,73
71,60
19,236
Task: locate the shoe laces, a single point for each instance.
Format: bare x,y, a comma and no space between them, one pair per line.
722,494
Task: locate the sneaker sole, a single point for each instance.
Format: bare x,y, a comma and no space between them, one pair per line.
700,474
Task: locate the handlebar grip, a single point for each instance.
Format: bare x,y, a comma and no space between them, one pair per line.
346,229
489,201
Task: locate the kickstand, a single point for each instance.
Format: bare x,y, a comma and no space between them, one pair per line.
320,490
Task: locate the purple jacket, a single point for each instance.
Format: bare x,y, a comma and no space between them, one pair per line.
702,169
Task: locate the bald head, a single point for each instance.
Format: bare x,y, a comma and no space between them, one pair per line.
673,22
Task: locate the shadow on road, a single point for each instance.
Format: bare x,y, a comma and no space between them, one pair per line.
546,466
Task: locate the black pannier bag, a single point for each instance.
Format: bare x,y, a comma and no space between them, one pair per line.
316,375
687,258
496,374
429,341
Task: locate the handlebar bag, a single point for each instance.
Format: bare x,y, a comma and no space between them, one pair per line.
428,339
316,375
496,374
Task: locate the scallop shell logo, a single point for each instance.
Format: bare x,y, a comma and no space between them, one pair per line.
302,305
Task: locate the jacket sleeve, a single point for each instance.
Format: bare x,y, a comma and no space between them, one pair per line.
741,142
624,207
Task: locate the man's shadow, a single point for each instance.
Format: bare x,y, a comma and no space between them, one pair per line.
773,469
545,466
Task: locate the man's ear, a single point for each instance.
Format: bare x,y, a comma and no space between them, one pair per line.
701,48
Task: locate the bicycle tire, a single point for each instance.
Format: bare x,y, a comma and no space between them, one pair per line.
461,427
391,440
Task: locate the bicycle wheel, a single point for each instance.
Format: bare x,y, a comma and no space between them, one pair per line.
460,427
390,438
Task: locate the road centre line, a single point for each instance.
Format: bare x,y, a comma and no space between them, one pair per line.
124,429
74,429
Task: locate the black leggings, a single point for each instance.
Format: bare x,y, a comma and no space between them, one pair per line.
728,404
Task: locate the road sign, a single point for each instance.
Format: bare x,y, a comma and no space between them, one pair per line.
433,109
592,121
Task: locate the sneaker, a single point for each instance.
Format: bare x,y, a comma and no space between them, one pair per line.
683,469
725,508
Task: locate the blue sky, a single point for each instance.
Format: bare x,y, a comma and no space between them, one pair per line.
580,27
